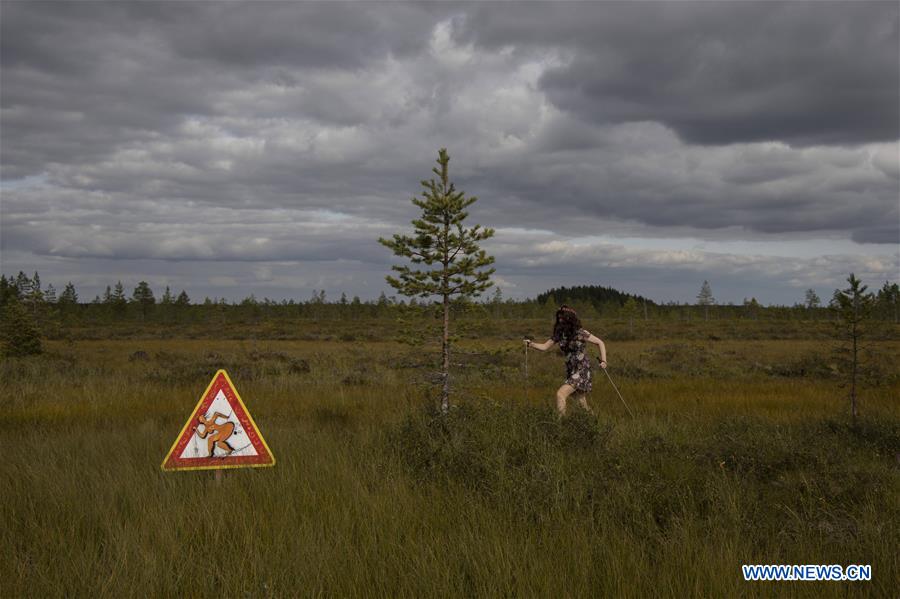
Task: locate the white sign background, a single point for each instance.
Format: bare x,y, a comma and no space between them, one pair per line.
197,447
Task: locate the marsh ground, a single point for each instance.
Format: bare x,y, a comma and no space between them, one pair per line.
740,452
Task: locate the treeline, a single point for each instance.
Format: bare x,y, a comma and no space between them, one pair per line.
592,294
51,308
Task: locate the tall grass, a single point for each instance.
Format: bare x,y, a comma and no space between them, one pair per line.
726,463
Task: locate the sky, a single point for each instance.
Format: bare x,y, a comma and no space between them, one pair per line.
263,147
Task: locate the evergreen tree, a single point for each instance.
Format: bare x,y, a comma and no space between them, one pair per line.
36,296
18,333
888,300
118,295
68,297
143,297
118,301
705,299
344,304
751,308
811,299
439,239
497,303
167,299
33,296
630,311
8,290
853,307
23,285
50,294
182,299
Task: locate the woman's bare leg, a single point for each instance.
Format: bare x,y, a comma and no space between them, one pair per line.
582,401
562,394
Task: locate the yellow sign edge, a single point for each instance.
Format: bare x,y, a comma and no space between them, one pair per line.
191,417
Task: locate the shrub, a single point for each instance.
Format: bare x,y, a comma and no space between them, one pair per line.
18,332
524,457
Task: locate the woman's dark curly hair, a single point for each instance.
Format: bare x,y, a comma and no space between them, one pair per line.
567,323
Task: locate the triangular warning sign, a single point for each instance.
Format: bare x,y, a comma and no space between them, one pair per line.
219,434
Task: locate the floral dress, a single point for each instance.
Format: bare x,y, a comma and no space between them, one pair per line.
578,362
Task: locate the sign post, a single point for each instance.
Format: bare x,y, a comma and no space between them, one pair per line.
219,434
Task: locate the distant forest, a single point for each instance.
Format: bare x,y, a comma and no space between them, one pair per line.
49,306
592,294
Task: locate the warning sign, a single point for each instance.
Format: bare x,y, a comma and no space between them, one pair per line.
219,434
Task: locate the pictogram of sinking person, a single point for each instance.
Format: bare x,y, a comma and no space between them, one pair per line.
216,434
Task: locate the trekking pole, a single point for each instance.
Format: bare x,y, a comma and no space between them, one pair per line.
617,392
526,372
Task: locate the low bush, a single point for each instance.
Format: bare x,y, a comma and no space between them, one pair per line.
647,479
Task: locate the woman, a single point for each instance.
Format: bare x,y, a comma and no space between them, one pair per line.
567,332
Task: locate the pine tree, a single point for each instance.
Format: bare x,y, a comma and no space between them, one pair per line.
439,239
182,299
889,300
497,303
29,291
705,299
35,297
143,297
8,290
630,311
118,301
68,297
811,299
23,285
751,307
167,299
854,307
50,294
344,306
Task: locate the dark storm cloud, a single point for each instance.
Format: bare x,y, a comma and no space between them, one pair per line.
716,72
769,189
81,79
209,133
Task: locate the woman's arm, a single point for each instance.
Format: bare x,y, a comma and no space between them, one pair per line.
599,343
541,346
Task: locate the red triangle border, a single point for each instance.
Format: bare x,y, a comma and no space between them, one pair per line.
264,457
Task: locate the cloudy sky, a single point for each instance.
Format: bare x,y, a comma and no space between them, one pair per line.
231,148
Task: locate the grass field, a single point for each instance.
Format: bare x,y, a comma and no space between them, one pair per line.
741,452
